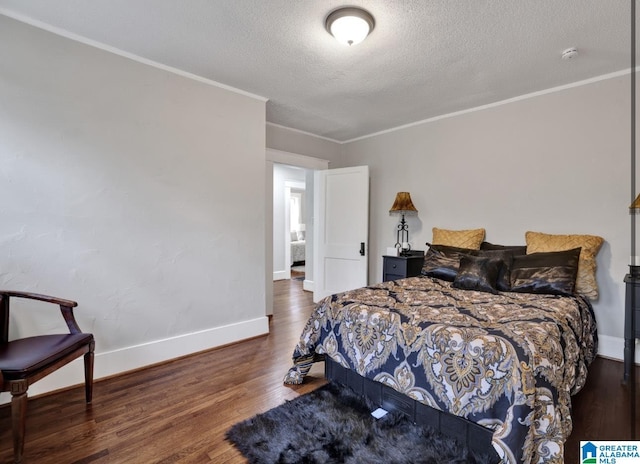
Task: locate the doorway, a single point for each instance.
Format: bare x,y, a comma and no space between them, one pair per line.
291,219
309,165
297,230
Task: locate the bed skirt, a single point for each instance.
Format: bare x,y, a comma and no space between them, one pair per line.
474,436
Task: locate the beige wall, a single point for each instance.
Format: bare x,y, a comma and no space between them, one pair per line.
556,163
288,140
133,191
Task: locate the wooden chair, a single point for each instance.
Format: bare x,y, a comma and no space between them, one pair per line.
26,360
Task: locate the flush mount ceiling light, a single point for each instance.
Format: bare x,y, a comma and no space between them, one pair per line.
349,25
570,53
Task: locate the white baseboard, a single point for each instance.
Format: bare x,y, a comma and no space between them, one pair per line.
282,275
135,357
613,348
307,285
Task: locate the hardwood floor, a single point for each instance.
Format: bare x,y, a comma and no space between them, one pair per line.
601,410
178,412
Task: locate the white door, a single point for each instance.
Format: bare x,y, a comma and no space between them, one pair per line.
341,228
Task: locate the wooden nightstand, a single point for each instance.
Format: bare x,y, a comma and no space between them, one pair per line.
401,267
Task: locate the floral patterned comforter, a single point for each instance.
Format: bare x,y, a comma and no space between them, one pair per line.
509,362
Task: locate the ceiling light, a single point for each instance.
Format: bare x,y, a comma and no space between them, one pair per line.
570,53
349,25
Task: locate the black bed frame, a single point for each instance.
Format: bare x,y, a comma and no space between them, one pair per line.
474,436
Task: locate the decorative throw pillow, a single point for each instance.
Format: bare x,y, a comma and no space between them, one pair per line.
516,249
506,256
470,239
478,273
551,273
443,261
586,281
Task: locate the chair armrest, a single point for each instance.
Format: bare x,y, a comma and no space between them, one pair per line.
66,308
37,296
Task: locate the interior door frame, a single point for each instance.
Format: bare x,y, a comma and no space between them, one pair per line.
273,156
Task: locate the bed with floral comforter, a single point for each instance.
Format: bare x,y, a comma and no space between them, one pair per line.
509,361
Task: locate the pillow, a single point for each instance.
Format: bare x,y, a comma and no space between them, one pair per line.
443,261
517,249
300,235
470,239
294,236
551,273
478,273
586,281
506,256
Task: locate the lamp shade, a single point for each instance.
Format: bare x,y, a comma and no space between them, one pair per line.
349,25
635,206
403,205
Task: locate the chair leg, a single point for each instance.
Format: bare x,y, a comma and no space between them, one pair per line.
18,422
88,376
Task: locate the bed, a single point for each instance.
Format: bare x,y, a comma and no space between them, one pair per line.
505,361
298,244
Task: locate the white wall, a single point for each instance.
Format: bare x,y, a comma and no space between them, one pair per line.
556,163
133,191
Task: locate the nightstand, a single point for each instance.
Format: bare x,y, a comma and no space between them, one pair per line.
631,321
401,267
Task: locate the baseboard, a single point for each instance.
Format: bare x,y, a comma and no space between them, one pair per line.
613,348
307,285
134,357
282,275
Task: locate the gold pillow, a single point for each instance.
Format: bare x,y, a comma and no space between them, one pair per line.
471,238
586,281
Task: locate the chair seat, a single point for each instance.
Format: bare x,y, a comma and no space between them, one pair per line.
23,357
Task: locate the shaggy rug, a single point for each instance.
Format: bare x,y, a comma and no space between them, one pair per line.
334,425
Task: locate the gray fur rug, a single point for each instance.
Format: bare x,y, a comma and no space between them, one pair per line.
334,425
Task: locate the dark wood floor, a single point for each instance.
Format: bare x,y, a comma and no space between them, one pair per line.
178,412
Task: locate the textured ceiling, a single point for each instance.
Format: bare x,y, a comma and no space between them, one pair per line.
425,58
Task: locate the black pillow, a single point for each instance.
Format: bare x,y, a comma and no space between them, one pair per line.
516,249
506,256
442,261
551,273
478,273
